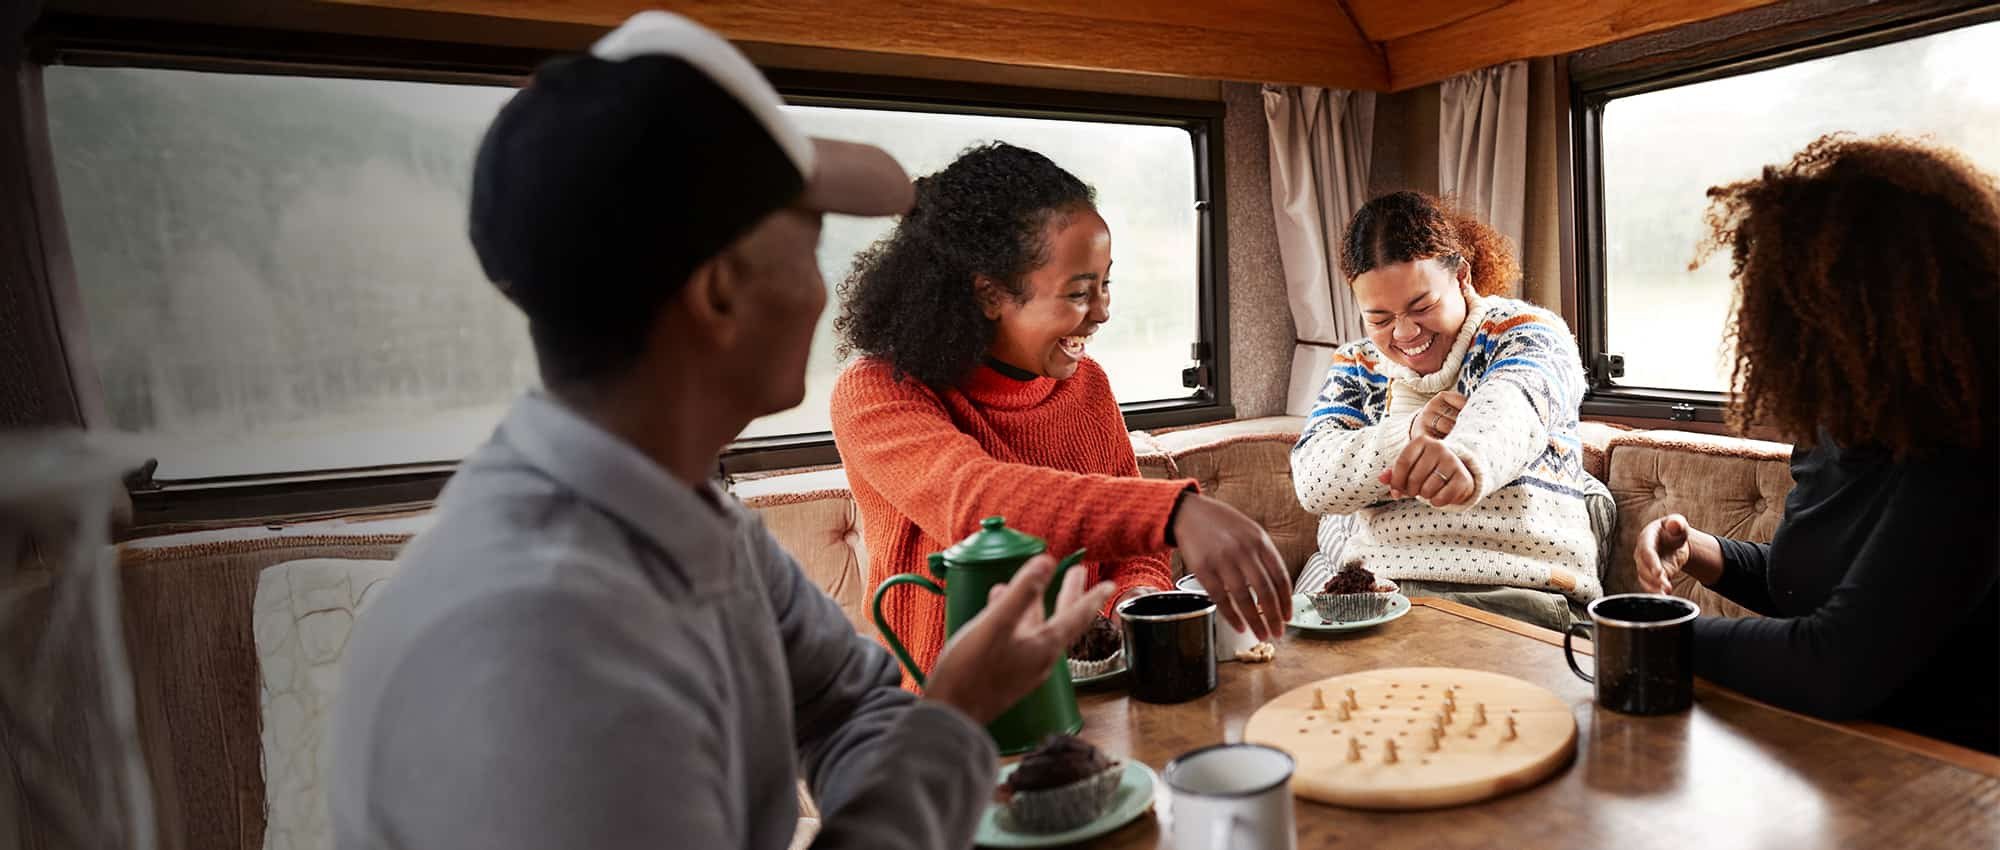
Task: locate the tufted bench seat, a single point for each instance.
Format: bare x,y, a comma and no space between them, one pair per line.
189,600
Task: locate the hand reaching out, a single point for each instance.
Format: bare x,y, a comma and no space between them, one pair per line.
1429,469
1235,559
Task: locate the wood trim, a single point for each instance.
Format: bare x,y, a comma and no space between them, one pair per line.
1529,28
1953,754
1507,624
1972,760
1280,41
1775,30
1388,20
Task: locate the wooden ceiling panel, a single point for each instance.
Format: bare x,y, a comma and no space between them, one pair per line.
1279,41
1388,20
1525,29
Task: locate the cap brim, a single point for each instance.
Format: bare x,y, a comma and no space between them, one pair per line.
857,179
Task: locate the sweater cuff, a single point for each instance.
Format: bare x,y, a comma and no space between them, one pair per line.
1394,437
1183,487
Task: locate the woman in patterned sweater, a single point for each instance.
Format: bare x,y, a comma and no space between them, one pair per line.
1443,450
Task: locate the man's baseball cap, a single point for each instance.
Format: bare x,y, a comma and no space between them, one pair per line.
608,179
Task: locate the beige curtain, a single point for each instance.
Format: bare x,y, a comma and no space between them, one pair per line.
1541,243
1483,145
1320,144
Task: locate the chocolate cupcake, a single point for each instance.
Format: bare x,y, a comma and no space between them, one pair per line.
1064,784
1352,595
1100,650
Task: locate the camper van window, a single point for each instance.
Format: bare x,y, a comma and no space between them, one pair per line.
1661,147
276,279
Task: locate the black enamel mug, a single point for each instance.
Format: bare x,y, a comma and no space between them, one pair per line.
1169,645
1645,652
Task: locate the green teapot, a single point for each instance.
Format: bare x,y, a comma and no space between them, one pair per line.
969,571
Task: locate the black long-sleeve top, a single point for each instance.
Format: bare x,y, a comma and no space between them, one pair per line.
1879,591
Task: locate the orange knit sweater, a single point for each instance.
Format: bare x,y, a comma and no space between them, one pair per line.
1051,456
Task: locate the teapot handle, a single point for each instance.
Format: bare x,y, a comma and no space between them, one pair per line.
1055,581
882,625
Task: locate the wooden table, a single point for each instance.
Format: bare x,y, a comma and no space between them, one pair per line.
1730,773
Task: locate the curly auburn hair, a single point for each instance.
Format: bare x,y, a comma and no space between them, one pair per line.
911,298
1868,287
1404,227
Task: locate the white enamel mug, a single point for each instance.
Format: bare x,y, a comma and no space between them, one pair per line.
1228,641
1231,797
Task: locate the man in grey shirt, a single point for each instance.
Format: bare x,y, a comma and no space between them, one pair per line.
593,646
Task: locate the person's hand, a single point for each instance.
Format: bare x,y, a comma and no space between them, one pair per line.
1429,469
1662,553
1233,558
997,657
1668,547
1438,416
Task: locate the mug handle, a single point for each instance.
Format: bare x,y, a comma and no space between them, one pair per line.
882,625
1569,652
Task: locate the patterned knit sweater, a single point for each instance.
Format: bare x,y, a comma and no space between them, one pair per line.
1528,525
1051,456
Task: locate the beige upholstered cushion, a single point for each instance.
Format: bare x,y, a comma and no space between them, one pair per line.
1596,438
304,613
814,517
1723,485
1248,464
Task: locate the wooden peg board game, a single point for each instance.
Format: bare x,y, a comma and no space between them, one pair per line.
1348,763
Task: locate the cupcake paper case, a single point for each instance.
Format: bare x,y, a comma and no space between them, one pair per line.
1355,607
1064,784
1064,807
1086,669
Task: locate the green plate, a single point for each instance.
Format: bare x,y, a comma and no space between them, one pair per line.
1304,618
1134,797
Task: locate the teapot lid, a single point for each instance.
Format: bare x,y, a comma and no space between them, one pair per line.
995,542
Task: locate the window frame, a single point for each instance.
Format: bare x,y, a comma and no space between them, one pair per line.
1740,48
226,500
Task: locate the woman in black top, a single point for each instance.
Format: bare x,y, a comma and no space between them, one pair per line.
1868,331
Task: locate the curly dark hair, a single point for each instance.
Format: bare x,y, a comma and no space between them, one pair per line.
1868,286
1403,227
910,299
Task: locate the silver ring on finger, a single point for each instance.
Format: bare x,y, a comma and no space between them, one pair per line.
1443,476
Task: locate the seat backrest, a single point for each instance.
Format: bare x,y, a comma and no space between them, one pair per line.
304,613
1723,485
189,603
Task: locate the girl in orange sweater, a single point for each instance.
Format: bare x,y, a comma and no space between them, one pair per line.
974,397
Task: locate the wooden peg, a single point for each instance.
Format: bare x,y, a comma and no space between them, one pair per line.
1479,714
1445,716
1450,698
1437,739
1352,702
1319,700
1344,713
1511,734
1391,757
1354,749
